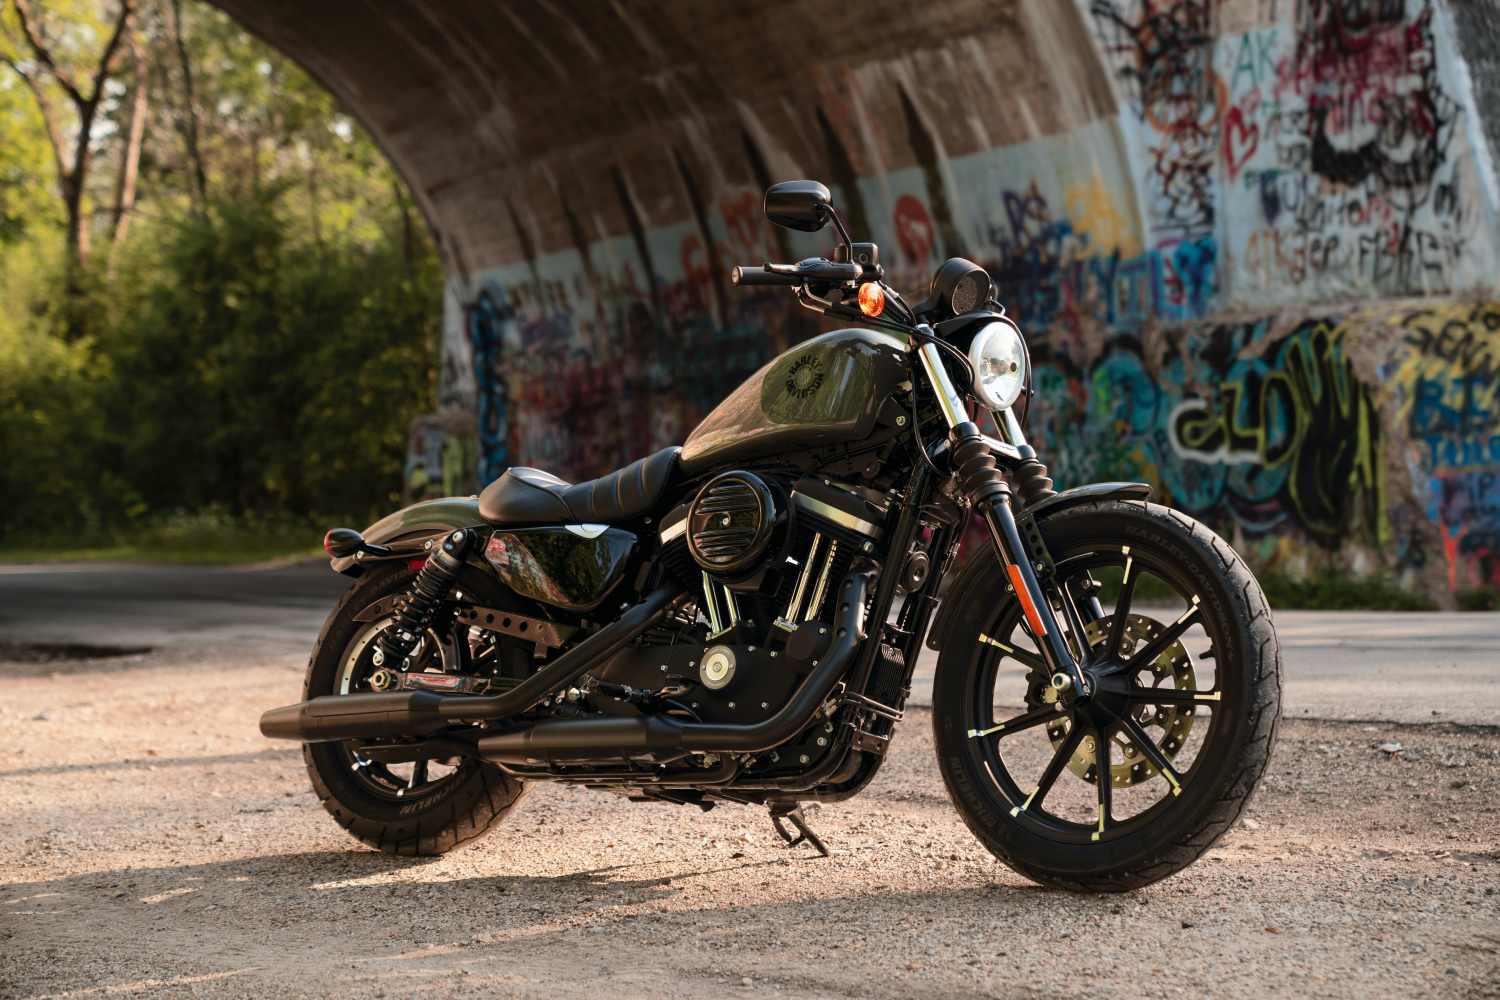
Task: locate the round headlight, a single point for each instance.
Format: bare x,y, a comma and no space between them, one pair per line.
999,360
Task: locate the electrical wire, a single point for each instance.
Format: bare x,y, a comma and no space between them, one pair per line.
1026,410
916,434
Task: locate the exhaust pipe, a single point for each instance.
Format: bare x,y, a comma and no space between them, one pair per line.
660,738
332,718
654,738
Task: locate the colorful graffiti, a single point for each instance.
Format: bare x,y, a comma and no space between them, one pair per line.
1448,402
1233,425
1325,151
1360,179
442,455
1162,53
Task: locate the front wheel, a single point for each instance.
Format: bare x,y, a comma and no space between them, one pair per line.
1116,787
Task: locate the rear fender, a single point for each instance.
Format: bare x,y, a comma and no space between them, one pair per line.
408,530
985,563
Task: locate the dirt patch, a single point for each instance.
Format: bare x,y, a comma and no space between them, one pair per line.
154,843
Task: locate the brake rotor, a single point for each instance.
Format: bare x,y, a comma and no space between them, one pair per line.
1173,667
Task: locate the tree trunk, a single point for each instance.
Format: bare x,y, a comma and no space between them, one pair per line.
130,156
190,119
72,177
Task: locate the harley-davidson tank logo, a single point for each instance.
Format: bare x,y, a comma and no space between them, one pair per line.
804,378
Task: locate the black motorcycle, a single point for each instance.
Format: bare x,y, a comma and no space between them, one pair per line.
715,622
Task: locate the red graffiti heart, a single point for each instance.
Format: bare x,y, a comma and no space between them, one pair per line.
1240,140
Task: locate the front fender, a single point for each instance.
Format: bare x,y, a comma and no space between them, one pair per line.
415,524
986,561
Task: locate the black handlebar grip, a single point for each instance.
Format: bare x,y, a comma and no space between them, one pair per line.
756,275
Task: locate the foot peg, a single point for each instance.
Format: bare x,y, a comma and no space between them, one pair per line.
793,812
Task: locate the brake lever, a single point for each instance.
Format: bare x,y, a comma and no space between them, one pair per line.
818,269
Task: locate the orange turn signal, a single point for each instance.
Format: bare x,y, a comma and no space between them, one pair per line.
871,299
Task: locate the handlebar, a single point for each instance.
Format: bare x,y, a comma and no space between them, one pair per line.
760,276
796,274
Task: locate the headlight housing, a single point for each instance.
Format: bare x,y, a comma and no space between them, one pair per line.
999,359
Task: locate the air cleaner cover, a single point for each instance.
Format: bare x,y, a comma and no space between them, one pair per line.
729,524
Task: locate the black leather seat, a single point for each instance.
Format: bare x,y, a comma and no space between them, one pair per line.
531,496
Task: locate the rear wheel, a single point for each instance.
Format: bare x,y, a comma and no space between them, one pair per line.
422,808
1136,778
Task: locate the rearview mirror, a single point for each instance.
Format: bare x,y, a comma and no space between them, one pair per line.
801,205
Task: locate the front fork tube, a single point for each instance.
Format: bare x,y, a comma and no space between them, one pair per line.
1022,577
990,495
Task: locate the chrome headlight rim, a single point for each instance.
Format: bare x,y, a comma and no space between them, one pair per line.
1012,386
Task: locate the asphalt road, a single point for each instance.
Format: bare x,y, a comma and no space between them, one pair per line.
1386,666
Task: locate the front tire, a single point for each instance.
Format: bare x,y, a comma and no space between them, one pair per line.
1163,799
445,804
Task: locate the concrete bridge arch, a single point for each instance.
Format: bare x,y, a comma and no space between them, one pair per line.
1185,201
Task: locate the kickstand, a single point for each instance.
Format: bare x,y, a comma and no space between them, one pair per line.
793,812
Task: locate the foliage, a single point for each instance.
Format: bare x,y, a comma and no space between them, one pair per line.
1479,599
1334,592
210,536
257,353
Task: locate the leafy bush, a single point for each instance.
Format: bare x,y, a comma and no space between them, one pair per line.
1333,592
1479,599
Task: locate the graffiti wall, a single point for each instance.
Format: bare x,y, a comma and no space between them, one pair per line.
1302,152
1365,440
1260,279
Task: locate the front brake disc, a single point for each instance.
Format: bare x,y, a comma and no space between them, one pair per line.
1174,668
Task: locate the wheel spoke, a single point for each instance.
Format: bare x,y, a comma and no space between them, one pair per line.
1122,607
1054,770
1148,654
1153,753
1169,696
1027,721
418,774
1103,778
1021,656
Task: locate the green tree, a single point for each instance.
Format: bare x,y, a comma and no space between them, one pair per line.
259,344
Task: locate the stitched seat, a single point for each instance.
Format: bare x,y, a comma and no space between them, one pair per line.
531,496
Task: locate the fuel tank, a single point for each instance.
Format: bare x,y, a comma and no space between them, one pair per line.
823,391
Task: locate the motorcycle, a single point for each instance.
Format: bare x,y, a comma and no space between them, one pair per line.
719,622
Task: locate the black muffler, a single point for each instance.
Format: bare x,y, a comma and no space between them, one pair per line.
655,739
356,717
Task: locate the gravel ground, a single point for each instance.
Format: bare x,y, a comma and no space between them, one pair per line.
153,844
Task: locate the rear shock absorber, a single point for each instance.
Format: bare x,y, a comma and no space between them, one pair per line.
426,596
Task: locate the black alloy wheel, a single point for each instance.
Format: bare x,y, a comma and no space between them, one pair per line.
1129,780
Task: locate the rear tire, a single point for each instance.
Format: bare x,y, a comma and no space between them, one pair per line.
983,742
444,815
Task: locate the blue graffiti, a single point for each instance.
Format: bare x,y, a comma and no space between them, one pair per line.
487,317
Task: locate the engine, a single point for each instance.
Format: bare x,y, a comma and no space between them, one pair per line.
764,557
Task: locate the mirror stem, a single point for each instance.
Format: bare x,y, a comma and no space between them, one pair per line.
828,212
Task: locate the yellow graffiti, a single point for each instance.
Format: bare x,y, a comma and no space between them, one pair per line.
1447,379
1092,210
